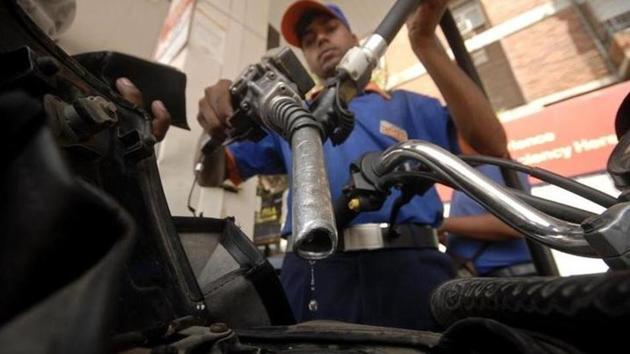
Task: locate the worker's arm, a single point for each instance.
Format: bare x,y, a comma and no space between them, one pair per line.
242,159
482,227
470,110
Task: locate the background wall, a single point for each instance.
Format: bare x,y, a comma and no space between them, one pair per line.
550,58
130,27
225,37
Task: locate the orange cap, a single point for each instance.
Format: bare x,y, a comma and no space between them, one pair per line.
297,10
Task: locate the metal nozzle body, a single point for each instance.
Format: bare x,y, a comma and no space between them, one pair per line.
314,232
359,62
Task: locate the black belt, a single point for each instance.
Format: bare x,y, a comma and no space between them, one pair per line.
517,270
364,237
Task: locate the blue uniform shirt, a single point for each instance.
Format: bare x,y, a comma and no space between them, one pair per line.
498,254
351,286
378,120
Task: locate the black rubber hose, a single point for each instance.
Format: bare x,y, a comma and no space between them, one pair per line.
395,18
589,193
343,215
541,255
287,116
587,309
456,42
557,210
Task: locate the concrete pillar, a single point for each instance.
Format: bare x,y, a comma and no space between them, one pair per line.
225,37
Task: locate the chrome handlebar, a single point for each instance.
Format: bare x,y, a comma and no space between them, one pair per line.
558,234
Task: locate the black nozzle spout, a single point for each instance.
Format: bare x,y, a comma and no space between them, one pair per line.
395,18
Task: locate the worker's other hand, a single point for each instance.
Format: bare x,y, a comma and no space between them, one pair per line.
442,236
215,107
161,117
421,25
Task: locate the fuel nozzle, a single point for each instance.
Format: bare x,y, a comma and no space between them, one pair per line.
354,72
355,69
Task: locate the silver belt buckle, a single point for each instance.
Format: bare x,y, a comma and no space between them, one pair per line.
363,237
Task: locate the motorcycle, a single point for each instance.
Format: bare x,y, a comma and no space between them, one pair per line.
92,260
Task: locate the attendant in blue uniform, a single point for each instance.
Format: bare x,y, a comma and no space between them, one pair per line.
386,286
475,236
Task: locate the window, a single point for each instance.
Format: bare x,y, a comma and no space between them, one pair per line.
605,10
469,16
609,16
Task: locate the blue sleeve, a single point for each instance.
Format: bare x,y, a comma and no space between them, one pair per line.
258,158
435,119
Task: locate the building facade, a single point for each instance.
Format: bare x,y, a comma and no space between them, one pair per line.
531,51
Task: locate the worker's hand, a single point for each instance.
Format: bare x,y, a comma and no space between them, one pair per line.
442,235
422,24
161,117
215,107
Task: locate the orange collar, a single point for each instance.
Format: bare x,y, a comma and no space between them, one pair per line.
373,87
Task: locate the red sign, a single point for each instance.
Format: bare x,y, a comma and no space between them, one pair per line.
571,138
